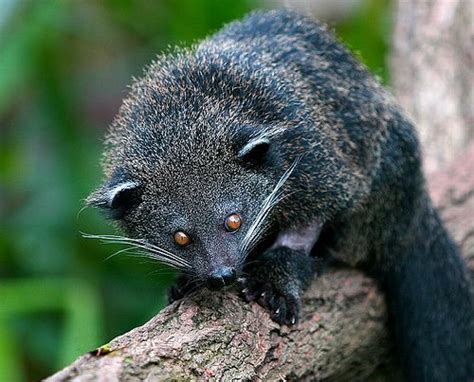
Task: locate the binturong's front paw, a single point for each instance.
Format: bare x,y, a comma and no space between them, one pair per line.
283,303
277,280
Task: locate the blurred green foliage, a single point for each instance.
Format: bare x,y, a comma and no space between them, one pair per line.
64,66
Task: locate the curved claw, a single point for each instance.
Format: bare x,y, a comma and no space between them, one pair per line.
283,306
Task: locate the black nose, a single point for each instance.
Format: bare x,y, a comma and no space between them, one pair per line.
221,278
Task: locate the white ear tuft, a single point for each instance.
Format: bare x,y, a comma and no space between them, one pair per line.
106,196
255,148
117,189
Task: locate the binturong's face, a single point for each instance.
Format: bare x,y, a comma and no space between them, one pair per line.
198,202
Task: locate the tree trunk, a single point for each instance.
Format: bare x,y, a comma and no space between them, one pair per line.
342,335
433,74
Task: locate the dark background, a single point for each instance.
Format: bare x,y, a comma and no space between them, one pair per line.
64,68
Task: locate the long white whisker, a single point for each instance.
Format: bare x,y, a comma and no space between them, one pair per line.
115,238
257,236
124,240
257,239
270,201
163,257
125,250
165,261
152,251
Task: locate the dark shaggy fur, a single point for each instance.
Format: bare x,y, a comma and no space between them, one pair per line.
210,131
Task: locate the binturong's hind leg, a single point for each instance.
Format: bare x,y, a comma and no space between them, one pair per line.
431,307
279,276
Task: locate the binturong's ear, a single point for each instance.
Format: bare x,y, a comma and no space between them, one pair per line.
116,199
254,151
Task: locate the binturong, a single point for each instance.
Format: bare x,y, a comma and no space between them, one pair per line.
267,150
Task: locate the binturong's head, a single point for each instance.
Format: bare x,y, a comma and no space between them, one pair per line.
193,167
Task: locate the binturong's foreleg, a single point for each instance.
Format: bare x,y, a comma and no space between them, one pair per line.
278,277
431,305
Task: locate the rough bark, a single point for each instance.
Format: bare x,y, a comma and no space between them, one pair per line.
217,336
433,74
220,337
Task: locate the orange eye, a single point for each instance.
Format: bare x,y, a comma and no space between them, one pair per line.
182,238
233,222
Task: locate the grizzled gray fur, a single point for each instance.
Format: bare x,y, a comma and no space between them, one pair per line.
272,121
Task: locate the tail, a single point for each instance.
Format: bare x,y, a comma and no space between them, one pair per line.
431,304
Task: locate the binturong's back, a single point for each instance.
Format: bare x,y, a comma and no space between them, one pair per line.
268,149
